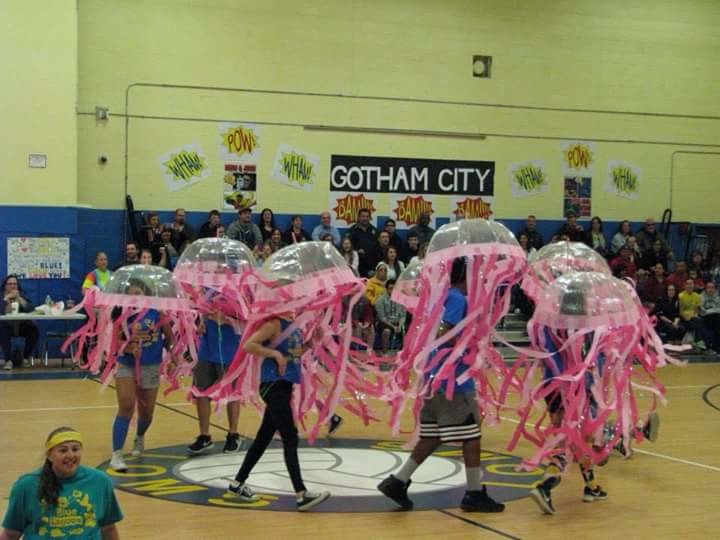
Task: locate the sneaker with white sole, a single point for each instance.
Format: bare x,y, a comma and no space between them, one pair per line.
8,365
138,446
541,496
311,500
233,444
592,495
202,444
117,461
242,491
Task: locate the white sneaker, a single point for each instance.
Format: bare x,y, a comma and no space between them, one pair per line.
8,365
117,462
138,446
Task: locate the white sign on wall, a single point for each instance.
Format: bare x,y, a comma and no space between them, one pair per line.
38,258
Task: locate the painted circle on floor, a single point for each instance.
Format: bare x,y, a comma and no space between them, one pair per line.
349,468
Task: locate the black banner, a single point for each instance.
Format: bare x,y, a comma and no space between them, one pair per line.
408,175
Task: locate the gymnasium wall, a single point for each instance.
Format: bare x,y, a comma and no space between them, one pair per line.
554,60
38,66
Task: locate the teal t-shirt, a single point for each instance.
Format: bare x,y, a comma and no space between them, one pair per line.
86,504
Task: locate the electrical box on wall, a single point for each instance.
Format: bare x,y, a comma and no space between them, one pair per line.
481,66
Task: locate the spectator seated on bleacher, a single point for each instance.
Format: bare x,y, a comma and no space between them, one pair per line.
182,232
679,276
648,235
349,254
656,255
667,311
132,254
267,223
535,239
375,286
623,266
209,228
423,229
595,238
654,287
167,252
295,233
714,271
390,319
619,239
244,230
394,265
326,227
697,280
15,301
390,227
152,230
410,248
710,313
364,239
697,263
571,229
690,301
363,322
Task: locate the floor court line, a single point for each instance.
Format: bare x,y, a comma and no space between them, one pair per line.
84,407
653,454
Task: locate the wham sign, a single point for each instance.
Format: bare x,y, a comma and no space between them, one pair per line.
409,180
408,175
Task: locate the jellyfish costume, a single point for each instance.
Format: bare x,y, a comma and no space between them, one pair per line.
554,260
130,293
603,349
494,262
217,275
312,282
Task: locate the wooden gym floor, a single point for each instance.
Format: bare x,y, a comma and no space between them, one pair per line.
668,489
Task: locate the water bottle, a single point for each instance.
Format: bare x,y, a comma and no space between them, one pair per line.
48,300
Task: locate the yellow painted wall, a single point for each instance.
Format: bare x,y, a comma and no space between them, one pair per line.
38,69
654,56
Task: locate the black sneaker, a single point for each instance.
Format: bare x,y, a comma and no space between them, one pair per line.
592,495
396,490
202,444
311,500
242,491
541,495
652,427
335,422
232,443
480,501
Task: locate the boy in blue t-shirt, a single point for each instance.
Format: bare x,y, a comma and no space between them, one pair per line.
218,342
444,420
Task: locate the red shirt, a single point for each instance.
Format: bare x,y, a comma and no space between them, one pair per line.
629,264
653,289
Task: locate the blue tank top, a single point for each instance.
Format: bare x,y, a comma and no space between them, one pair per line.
290,348
152,343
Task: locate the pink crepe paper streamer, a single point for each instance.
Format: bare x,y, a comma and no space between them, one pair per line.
99,338
492,270
632,354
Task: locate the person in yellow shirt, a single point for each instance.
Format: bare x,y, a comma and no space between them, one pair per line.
690,301
375,286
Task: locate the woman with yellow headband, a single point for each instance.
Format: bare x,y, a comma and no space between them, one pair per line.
63,499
